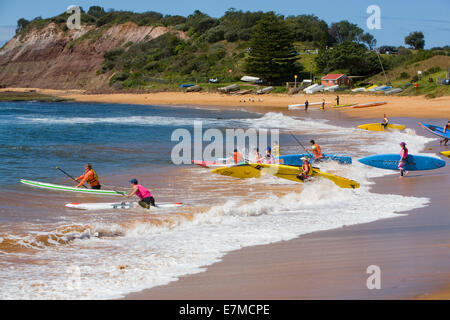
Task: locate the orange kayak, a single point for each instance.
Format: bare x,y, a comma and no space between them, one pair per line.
374,104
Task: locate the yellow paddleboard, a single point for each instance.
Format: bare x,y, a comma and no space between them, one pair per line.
291,172
371,87
339,181
379,127
238,171
254,170
344,105
446,153
279,170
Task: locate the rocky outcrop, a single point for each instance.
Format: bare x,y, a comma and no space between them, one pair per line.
57,59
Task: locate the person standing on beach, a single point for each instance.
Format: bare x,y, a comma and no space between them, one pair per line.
315,148
403,158
385,121
306,169
337,100
89,176
306,105
323,104
146,197
446,128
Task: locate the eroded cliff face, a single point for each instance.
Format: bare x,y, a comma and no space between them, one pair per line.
57,59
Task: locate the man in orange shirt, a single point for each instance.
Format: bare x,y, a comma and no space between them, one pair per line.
237,157
89,176
316,150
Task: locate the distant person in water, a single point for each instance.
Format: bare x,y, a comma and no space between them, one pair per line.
306,105
89,176
403,158
269,158
276,149
315,148
146,197
237,157
385,121
446,128
306,169
257,156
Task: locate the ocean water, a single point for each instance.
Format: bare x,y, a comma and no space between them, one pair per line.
48,251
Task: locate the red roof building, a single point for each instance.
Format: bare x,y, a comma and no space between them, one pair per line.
336,79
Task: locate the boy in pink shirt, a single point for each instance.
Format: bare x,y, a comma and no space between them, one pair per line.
146,197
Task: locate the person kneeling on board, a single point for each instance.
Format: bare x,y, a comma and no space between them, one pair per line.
146,197
307,169
403,157
316,150
89,176
385,121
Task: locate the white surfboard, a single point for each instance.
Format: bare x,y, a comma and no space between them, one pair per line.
119,205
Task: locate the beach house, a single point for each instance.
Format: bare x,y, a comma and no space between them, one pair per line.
333,79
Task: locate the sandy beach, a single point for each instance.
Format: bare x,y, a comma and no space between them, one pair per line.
411,250
397,106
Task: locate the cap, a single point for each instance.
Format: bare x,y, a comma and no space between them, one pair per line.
133,181
305,158
269,148
402,144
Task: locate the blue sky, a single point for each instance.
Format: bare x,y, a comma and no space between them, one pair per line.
398,17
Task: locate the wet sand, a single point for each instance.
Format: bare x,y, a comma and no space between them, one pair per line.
412,251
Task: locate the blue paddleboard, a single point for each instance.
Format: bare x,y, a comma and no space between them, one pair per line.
439,131
413,163
296,159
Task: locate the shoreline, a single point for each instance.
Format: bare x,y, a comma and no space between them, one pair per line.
329,261
411,250
397,106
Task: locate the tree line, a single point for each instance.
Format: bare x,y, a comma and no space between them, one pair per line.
259,43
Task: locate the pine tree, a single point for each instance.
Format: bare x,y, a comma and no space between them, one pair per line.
271,56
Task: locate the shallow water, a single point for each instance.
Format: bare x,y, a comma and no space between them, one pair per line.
50,252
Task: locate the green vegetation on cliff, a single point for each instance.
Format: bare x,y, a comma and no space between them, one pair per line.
261,44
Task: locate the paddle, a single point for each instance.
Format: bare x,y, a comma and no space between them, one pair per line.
300,144
119,192
69,176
